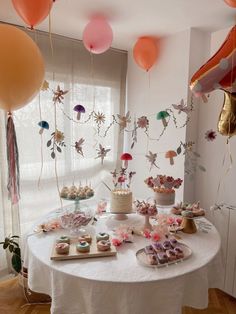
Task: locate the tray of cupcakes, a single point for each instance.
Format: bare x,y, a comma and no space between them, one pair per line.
84,246
74,193
164,253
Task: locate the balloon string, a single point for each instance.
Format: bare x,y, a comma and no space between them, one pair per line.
227,152
41,143
55,164
50,33
93,95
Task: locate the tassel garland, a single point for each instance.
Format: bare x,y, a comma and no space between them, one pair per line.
13,162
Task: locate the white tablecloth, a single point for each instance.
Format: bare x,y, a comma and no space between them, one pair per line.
119,285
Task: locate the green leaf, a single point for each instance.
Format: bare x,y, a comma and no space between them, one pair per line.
15,243
17,251
49,143
202,168
53,155
16,262
11,247
179,150
59,149
5,245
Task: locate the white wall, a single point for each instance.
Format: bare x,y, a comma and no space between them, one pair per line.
207,186
168,84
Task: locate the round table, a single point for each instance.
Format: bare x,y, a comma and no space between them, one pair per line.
120,285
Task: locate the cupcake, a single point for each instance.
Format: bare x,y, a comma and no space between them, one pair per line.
64,192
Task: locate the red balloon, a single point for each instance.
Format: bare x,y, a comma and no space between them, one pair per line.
33,12
145,52
231,3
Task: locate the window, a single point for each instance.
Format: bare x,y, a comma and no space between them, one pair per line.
96,82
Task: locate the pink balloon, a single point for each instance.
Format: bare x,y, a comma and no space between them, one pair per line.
97,36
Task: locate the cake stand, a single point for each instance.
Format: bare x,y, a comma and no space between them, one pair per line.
121,216
77,201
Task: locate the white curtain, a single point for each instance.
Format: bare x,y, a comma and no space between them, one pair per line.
95,81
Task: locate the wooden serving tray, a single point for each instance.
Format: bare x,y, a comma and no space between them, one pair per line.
74,254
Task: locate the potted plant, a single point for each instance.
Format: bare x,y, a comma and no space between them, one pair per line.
11,244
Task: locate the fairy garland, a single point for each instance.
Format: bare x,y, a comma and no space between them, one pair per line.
57,141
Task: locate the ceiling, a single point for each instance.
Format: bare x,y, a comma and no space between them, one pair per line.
131,19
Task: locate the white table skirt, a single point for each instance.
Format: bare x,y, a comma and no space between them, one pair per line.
119,285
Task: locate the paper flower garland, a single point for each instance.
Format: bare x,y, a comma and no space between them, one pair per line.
56,142
210,135
99,117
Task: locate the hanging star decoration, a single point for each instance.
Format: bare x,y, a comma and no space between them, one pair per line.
45,86
78,146
152,157
99,117
58,95
56,142
102,153
124,120
182,107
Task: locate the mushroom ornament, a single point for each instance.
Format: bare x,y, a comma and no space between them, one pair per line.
171,154
79,109
126,157
162,115
44,126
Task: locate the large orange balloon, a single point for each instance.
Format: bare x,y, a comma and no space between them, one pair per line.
33,12
21,68
145,52
231,3
219,72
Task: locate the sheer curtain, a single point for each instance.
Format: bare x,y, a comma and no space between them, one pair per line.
95,81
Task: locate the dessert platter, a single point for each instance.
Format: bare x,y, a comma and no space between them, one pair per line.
85,246
189,213
164,253
164,188
188,210
147,210
76,193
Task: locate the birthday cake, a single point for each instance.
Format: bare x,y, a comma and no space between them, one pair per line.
121,201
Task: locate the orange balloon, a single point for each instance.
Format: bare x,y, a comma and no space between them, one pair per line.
33,12
219,71
145,52
231,3
21,68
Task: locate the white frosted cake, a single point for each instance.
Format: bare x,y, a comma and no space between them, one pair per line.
163,198
121,201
